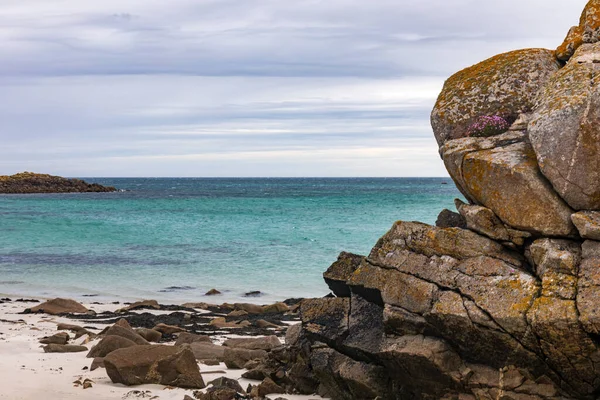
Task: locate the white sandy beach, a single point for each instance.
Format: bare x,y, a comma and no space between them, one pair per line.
28,373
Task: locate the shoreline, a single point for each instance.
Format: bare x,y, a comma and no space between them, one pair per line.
29,373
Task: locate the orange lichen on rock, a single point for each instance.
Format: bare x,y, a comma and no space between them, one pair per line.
588,31
504,85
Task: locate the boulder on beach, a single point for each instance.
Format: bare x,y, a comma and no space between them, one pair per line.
64,348
59,306
108,345
165,365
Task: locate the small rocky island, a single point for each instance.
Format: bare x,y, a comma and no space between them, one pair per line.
29,182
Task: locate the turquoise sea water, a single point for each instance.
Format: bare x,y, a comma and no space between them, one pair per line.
174,239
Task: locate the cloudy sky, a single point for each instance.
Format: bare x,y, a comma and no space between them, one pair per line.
244,87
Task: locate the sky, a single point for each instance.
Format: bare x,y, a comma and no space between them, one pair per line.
221,88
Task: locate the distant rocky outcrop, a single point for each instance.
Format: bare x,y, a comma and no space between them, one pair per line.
28,182
502,299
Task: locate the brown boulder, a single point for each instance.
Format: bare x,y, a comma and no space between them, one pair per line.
237,358
149,334
505,85
165,365
502,174
108,345
187,338
64,348
59,306
127,333
207,351
59,338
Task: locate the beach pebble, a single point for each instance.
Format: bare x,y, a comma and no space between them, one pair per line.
228,383
207,351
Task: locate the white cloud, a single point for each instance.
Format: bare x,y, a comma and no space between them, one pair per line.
253,87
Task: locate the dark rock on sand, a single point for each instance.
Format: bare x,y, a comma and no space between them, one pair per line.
228,383
165,365
59,338
108,345
186,337
64,348
28,182
150,335
58,306
236,358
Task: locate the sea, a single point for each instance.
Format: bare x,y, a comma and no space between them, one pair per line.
173,239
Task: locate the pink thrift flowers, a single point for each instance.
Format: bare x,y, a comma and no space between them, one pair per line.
487,125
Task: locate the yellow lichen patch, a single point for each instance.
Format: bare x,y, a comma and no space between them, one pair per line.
571,43
504,85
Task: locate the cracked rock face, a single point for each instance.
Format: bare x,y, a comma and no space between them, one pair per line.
564,130
429,320
500,301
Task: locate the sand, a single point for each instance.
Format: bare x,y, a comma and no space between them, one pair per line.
27,373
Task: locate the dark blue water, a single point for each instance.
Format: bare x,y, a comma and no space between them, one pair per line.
174,239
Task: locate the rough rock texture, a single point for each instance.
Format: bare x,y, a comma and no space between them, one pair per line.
59,306
340,271
108,345
504,85
563,130
483,220
28,182
165,365
502,174
588,31
588,224
447,313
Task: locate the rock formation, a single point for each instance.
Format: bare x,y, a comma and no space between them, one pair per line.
502,300
28,182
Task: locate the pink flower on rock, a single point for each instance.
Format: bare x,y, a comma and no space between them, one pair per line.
488,125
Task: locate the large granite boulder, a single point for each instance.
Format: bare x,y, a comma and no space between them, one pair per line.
502,174
564,130
165,365
504,85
